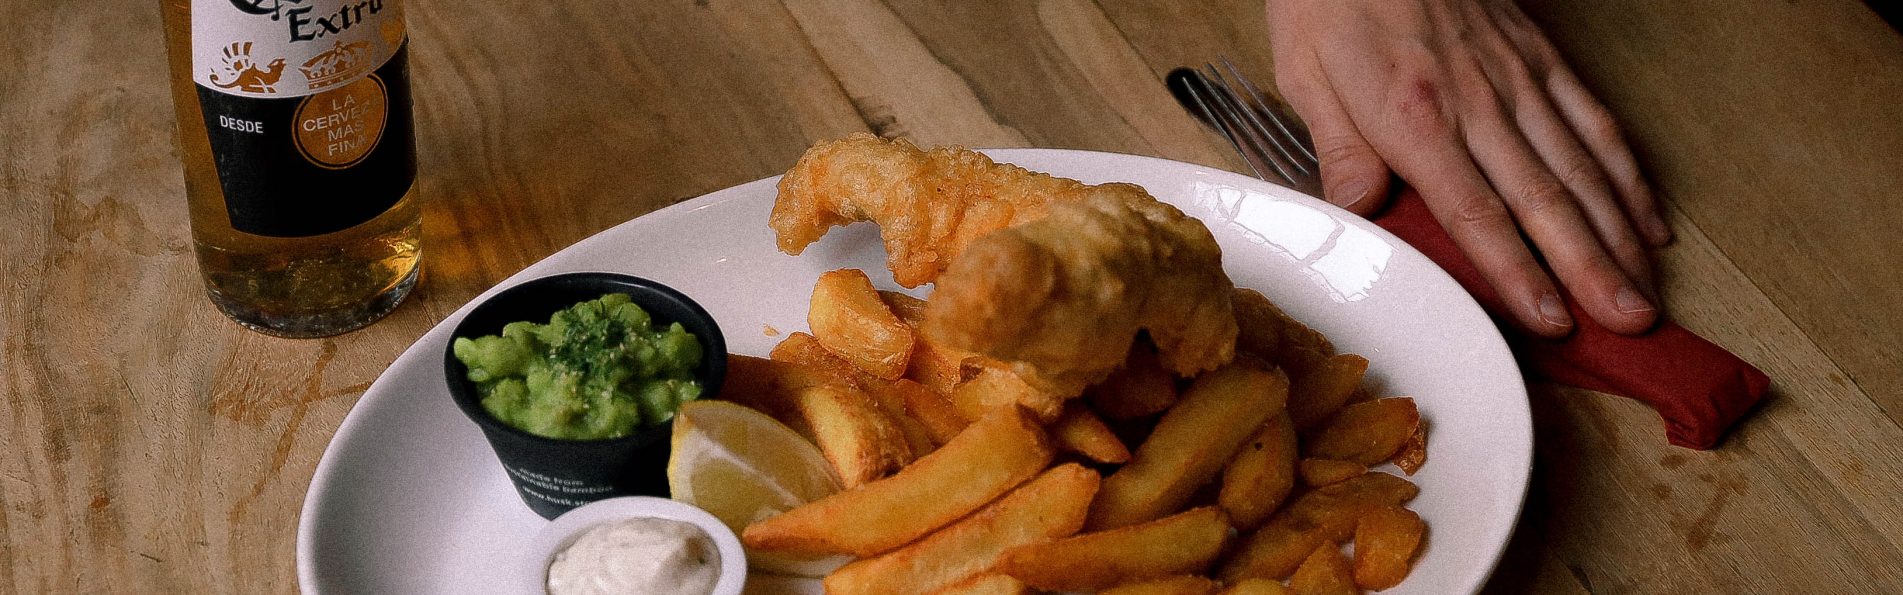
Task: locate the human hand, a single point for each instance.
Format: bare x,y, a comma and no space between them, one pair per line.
1468,101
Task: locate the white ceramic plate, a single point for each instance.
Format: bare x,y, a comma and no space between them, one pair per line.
409,499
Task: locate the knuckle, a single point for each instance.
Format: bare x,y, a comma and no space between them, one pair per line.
1419,107
1540,196
1341,150
1478,210
1580,171
1597,123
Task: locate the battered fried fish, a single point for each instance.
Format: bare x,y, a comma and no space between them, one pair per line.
1062,297
1049,274
929,205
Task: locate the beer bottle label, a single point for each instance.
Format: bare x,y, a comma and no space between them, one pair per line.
307,103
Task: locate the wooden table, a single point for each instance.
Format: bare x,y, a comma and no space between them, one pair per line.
152,445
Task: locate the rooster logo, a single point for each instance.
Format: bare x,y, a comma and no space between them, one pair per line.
242,72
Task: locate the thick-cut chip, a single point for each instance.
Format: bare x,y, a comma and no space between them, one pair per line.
1414,453
802,348
1260,476
986,584
1183,543
848,317
1272,551
1325,514
1187,584
1386,540
982,388
990,384
1047,507
1190,445
1361,395
1333,509
1141,387
1080,431
859,439
856,437
768,385
932,364
987,459
1256,586
910,310
1303,349
1366,433
1264,330
1316,395
940,368
1258,323
933,410
805,349
1321,472
891,397
1324,572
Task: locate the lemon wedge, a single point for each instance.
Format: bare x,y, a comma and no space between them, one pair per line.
743,466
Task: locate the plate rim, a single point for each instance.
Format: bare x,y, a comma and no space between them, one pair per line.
314,494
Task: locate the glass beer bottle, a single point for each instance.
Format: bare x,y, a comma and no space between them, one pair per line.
295,131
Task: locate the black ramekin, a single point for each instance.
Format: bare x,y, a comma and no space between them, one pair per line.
554,475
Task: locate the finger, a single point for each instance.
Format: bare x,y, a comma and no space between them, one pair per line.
1556,224
1600,133
1575,167
1580,174
1408,124
1353,175
1592,123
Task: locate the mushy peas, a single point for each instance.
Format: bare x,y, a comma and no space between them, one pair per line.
599,369
639,556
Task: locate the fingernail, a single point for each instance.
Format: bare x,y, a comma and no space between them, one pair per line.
1629,301
1352,193
1553,311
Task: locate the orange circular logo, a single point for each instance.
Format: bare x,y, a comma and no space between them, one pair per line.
336,129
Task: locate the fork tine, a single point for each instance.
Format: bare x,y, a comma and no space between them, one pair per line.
1194,80
1249,115
1251,128
1264,105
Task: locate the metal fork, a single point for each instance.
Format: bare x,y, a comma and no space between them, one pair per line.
1256,127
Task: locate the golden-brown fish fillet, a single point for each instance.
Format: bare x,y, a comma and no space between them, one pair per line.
1062,297
1049,274
929,205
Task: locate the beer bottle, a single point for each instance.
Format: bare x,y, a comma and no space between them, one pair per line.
300,159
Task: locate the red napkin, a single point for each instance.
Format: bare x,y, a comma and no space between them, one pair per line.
1698,387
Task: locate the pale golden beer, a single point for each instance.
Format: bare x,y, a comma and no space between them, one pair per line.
295,132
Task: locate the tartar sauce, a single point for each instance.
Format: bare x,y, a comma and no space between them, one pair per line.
640,556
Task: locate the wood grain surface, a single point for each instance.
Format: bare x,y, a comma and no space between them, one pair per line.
147,444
